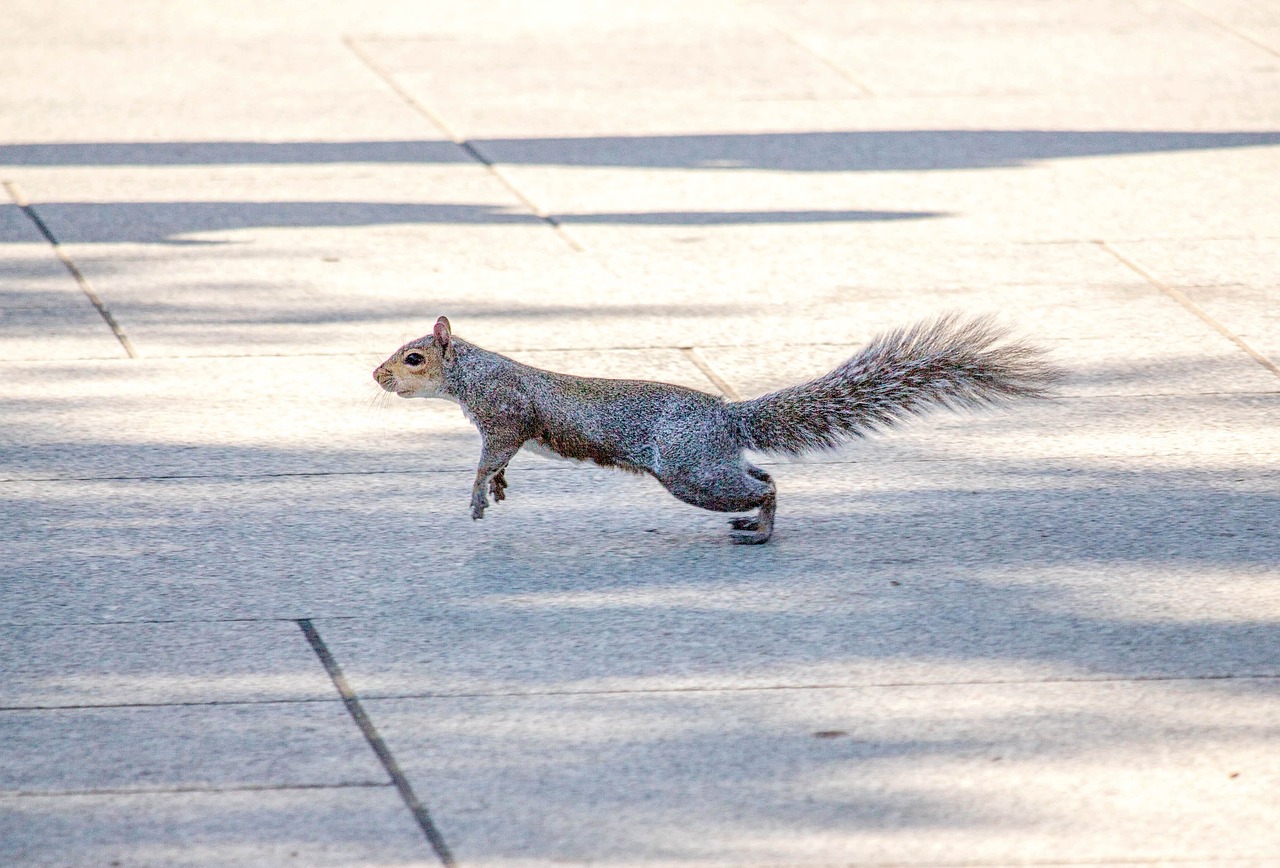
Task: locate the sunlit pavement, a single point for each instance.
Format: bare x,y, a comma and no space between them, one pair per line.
246,618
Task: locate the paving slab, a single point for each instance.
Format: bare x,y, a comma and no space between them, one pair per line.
1054,47
283,415
1128,410
1114,194
1089,64
1201,363
1231,280
311,826
308,744
1040,635
1259,24
669,304
221,79
43,311
896,615
262,416
112,550
1078,188
949,775
646,62
54,665
251,259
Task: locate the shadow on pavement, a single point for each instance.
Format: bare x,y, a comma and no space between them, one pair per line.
167,222
539,656
840,151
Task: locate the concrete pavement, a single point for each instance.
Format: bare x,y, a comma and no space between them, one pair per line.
246,619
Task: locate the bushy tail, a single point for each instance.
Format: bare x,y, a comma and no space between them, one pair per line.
950,361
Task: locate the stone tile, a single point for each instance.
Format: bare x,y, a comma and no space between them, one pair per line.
1254,22
770,183
1248,312
273,416
1094,61
58,665
313,827
202,746
38,324
1053,199
1054,47
1093,432
1232,279
610,62
245,259
387,543
16,227
663,294
911,775
1136,364
43,312
999,125
916,607
215,85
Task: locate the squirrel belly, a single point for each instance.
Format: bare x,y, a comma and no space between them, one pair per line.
692,442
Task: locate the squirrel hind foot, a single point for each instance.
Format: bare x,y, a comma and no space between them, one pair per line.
757,530
750,537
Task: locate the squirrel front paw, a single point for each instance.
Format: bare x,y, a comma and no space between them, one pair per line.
498,486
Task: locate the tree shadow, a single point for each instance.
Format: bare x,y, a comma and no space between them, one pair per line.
594,657
836,151
170,222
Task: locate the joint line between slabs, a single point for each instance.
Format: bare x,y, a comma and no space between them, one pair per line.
866,686
193,789
771,22
1230,28
419,811
471,150
692,354
15,193
1182,299
838,68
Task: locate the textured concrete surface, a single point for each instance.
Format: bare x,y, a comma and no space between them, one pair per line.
889,774
246,619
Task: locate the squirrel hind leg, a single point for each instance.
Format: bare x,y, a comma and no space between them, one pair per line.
758,530
731,488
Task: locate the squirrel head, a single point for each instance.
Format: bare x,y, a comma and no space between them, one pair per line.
416,370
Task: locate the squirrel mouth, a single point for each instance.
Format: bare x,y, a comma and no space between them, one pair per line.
405,393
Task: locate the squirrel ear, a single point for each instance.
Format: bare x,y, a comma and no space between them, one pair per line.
442,332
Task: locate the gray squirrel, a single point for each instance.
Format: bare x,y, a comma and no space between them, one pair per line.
691,441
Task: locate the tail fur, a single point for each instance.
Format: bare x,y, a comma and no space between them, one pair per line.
951,361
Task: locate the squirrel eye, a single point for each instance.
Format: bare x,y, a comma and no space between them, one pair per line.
414,359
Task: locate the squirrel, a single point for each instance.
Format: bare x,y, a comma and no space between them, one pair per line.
692,442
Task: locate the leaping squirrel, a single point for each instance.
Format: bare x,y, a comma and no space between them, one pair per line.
692,442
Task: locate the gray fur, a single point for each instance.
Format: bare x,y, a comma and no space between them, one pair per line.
692,442
948,362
